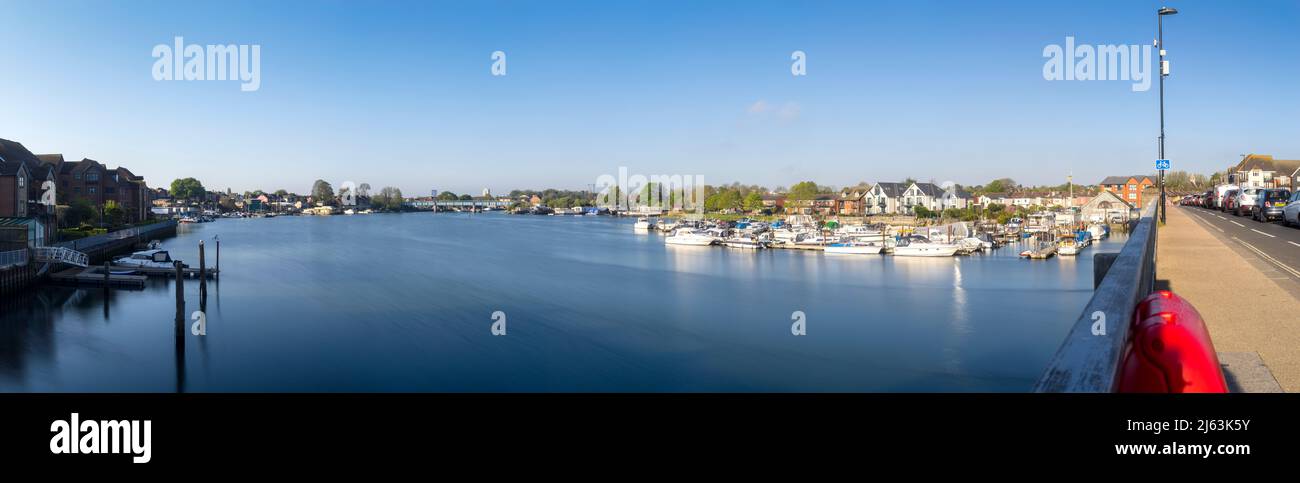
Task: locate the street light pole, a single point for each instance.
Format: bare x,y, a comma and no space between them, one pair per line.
1160,44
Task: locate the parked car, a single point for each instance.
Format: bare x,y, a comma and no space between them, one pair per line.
1228,204
1245,204
1269,204
1291,213
1221,196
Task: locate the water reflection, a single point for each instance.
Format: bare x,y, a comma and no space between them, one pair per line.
403,303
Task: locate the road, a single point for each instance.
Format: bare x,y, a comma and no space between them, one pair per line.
1276,245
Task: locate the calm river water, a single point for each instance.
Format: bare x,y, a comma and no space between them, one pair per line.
405,302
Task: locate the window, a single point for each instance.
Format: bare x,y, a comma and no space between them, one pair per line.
1132,196
1132,186
92,176
91,189
76,189
76,176
108,190
22,182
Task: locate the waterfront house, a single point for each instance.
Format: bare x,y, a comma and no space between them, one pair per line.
773,203
925,195
821,204
14,181
1128,188
885,198
1262,171
852,201
956,198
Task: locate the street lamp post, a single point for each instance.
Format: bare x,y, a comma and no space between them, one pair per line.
1164,71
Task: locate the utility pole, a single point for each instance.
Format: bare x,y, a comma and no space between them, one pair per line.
1164,71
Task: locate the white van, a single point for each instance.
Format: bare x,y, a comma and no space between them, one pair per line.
1219,192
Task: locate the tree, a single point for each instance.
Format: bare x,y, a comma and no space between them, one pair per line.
113,213
801,194
187,189
753,201
80,211
466,197
447,196
1000,185
322,192
389,198
923,212
281,193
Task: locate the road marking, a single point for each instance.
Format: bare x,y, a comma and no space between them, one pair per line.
1262,233
1294,243
1220,217
1268,258
1235,223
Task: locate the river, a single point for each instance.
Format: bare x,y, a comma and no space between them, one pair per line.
406,302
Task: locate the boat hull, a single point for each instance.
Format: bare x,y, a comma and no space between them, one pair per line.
913,251
854,249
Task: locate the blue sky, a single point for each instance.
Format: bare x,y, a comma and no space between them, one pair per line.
401,94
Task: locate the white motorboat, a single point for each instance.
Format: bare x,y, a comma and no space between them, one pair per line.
850,248
153,258
1098,231
1068,246
919,246
666,225
815,239
689,237
642,224
745,242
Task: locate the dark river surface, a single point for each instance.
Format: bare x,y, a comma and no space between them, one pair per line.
405,302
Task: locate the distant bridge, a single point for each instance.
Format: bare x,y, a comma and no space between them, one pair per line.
448,204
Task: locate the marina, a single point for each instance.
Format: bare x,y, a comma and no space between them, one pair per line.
402,302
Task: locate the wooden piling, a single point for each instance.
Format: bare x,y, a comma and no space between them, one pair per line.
202,262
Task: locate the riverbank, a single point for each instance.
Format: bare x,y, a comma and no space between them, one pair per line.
1244,310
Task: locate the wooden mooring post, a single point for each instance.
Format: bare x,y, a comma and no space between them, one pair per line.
203,271
180,328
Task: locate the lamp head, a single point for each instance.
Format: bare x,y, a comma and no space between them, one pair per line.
1168,11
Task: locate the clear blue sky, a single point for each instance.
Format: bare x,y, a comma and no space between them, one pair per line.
397,93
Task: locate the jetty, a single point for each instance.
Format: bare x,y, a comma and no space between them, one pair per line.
187,272
97,277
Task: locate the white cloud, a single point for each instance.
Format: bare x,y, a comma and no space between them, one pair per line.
758,107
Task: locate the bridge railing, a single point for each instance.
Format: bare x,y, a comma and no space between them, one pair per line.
13,258
1089,359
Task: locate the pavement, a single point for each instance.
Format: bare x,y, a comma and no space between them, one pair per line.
1243,276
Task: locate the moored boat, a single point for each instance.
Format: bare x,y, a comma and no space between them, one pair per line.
851,248
919,246
689,237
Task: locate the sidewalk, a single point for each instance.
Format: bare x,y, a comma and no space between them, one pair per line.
1244,310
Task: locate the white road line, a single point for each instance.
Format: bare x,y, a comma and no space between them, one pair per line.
1265,256
1235,223
1294,243
1220,217
1262,233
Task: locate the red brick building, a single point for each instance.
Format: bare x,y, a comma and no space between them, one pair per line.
1129,188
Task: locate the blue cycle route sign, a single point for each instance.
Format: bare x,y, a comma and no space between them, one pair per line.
1162,164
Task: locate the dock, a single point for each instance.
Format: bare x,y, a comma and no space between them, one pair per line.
94,276
188,272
